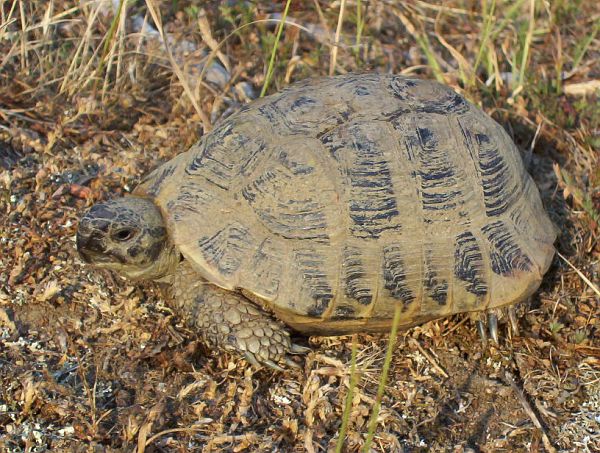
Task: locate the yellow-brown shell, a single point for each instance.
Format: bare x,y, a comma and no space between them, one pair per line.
339,198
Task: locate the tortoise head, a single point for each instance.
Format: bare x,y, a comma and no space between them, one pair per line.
128,235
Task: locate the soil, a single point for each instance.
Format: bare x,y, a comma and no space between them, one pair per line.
92,362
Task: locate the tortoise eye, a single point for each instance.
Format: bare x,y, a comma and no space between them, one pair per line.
123,234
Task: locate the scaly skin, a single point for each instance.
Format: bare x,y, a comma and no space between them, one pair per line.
227,320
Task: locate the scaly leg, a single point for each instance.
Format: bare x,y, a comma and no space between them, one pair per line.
227,320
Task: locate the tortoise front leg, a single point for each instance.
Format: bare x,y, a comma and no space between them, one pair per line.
227,320
230,321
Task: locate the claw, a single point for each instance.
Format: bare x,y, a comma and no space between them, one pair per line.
250,358
297,349
272,365
493,326
512,317
289,362
481,330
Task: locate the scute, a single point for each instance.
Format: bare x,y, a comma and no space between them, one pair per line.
338,198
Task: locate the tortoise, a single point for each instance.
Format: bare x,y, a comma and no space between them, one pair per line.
325,207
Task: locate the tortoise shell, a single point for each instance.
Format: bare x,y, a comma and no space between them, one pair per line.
338,198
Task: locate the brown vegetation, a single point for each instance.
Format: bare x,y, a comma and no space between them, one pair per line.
90,100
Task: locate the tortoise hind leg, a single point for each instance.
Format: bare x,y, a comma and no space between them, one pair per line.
487,322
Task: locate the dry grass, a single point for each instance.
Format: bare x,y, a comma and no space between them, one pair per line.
91,99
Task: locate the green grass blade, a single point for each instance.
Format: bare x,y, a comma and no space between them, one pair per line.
425,45
274,50
508,17
585,44
527,45
383,380
109,40
360,25
349,397
486,33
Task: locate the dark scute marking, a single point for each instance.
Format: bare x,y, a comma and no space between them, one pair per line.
506,255
158,178
452,103
191,199
355,284
195,164
438,198
302,101
394,275
318,308
222,132
333,142
399,88
353,79
301,113
244,108
226,249
499,190
253,150
361,90
280,118
428,138
217,159
311,266
439,175
436,287
468,263
438,180
270,112
266,268
343,312
210,165
435,99
398,114
437,290
373,207
302,218
296,167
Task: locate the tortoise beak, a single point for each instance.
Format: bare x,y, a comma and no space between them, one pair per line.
83,244
88,242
